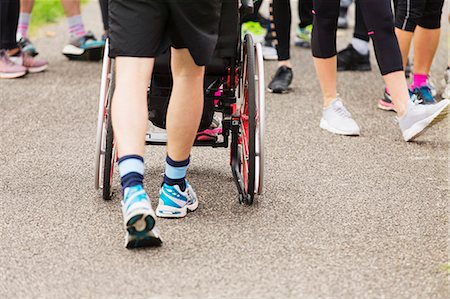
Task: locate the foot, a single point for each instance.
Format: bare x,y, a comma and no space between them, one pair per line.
349,59
257,31
139,219
386,102
281,81
27,47
419,118
422,95
85,47
342,21
336,119
174,203
303,37
9,69
32,64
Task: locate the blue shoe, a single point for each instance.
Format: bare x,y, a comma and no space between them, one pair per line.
174,203
85,47
139,219
423,95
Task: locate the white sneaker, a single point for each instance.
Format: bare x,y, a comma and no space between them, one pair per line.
139,219
446,84
174,203
419,118
336,119
269,53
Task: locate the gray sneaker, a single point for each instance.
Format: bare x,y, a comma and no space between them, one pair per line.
419,118
336,119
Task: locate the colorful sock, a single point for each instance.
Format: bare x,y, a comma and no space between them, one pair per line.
361,46
131,170
24,22
175,173
76,26
419,80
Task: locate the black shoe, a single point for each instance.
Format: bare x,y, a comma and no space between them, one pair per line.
281,81
27,47
350,60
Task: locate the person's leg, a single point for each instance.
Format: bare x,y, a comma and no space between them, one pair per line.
282,28
72,10
413,119
9,14
303,34
26,7
343,10
356,56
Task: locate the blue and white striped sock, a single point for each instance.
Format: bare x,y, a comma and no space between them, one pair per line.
131,170
175,173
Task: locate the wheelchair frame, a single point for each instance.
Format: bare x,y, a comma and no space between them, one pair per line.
241,102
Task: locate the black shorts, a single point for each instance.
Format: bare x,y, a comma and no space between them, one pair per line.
147,28
423,13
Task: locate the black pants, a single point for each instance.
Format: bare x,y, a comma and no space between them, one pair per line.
423,13
104,8
379,20
9,18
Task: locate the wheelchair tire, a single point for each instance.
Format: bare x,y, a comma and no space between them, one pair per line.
260,118
248,119
110,149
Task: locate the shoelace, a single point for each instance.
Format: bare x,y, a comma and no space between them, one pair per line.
341,110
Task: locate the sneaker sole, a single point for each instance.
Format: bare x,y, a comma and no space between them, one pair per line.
278,91
141,232
324,125
12,75
164,211
383,106
92,54
419,128
270,58
37,69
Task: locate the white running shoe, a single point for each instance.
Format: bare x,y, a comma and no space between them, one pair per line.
174,203
419,118
336,119
269,53
446,84
139,219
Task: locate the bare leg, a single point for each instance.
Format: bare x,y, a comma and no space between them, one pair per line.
71,7
186,104
26,6
404,42
426,42
326,73
398,88
129,105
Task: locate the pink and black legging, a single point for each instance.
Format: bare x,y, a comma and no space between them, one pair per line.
9,16
379,20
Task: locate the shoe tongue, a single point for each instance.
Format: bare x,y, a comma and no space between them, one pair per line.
337,103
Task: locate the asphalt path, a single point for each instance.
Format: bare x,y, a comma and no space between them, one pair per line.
360,217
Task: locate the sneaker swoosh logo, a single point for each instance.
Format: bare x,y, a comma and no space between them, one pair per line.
179,202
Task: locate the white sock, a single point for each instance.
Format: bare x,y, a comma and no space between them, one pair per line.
361,46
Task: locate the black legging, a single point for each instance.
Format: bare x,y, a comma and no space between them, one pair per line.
104,8
9,18
380,24
281,13
305,8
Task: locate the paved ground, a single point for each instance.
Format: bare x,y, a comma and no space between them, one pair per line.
341,217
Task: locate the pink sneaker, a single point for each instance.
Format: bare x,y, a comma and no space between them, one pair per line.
32,64
8,69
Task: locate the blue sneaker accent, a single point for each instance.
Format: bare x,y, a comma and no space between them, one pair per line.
134,195
424,95
172,197
174,203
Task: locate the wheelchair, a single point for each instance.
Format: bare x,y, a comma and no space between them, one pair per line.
234,91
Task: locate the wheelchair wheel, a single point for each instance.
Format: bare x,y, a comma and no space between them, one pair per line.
105,155
260,119
248,119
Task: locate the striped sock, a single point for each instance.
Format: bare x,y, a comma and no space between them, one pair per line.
175,173
131,170
76,26
22,27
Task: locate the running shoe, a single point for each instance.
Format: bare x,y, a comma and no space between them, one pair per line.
174,203
281,81
423,95
386,102
9,69
139,219
269,52
303,37
33,65
257,31
338,120
27,47
349,59
432,85
419,118
85,47
446,84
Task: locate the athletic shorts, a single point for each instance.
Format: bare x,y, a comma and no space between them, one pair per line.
423,13
147,28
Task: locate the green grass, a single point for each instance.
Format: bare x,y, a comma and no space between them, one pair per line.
47,11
